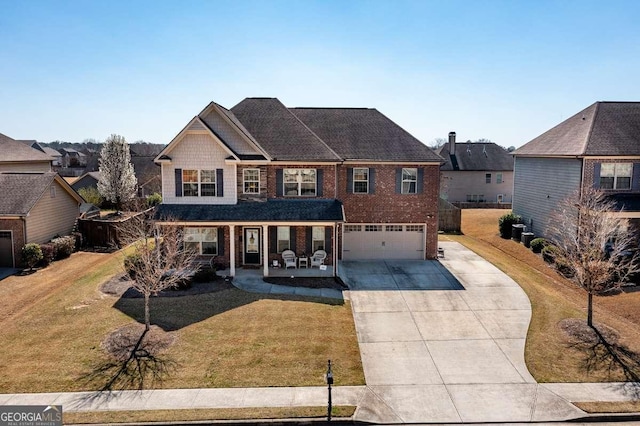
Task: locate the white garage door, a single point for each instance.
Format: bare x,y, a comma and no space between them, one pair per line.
374,241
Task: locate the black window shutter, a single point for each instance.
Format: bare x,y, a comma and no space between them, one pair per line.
420,184
398,181
327,238
220,241
292,238
178,182
635,179
349,180
273,239
596,175
308,239
372,181
319,181
279,182
219,183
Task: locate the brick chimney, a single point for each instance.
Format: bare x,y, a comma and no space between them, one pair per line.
452,143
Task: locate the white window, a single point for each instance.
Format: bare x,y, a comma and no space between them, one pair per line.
52,191
487,178
199,183
498,177
393,228
409,181
251,181
615,175
318,238
201,240
299,182
352,228
361,180
283,238
373,228
415,228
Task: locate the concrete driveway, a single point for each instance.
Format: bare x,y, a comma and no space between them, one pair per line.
444,342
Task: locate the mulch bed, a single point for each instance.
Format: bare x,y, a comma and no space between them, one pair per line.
309,282
122,341
577,331
122,286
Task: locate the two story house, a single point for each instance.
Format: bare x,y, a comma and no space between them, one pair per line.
480,172
599,147
249,182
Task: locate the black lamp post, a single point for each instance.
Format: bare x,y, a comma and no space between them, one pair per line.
329,383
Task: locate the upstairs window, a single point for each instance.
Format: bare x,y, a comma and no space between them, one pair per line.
409,181
299,182
251,181
615,175
499,178
360,180
199,183
487,178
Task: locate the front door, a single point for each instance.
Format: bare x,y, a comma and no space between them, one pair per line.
252,246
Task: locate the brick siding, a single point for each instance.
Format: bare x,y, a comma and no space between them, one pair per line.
17,226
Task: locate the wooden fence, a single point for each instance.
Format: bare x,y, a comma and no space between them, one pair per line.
449,217
103,233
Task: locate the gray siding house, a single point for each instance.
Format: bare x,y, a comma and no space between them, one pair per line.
478,172
599,147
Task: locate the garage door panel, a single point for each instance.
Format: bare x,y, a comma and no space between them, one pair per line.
383,242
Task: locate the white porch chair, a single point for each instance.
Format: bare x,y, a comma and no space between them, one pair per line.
318,258
289,259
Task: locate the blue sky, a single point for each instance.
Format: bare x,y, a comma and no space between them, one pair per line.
501,70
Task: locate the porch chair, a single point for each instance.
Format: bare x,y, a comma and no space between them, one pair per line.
318,258
289,259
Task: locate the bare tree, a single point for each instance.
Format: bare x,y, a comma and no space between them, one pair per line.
117,179
160,259
437,143
594,242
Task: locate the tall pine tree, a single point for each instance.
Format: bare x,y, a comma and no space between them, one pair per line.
118,181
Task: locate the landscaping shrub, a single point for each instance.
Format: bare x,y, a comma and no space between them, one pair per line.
549,253
91,195
48,253
130,263
31,254
537,244
204,275
63,246
154,199
79,240
505,223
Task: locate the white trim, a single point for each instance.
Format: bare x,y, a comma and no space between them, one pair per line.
249,223
353,180
299,182
244,191
303,163
244,244
239,131
377,162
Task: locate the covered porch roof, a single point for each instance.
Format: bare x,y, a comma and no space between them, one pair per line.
272,210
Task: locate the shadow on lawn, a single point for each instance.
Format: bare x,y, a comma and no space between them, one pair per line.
174,313
612,357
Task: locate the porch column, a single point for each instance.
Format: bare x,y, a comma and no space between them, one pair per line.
265,249
335,249
232,249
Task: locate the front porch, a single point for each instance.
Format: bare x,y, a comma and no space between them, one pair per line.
280,272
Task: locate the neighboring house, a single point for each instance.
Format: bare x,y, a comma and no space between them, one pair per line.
34,208
480,172
87,180
18,157
72,158
598,147
57,157
147,173
250,182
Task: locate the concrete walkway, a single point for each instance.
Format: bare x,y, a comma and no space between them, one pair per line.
440,342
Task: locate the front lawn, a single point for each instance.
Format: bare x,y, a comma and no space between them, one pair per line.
550,356
52,324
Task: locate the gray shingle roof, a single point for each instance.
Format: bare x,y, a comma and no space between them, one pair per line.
602,129
14,151
281,133
21,191
270,211
477,156
364,134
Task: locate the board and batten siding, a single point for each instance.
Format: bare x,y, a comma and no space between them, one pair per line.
540,184
52,215
25,167
198,152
